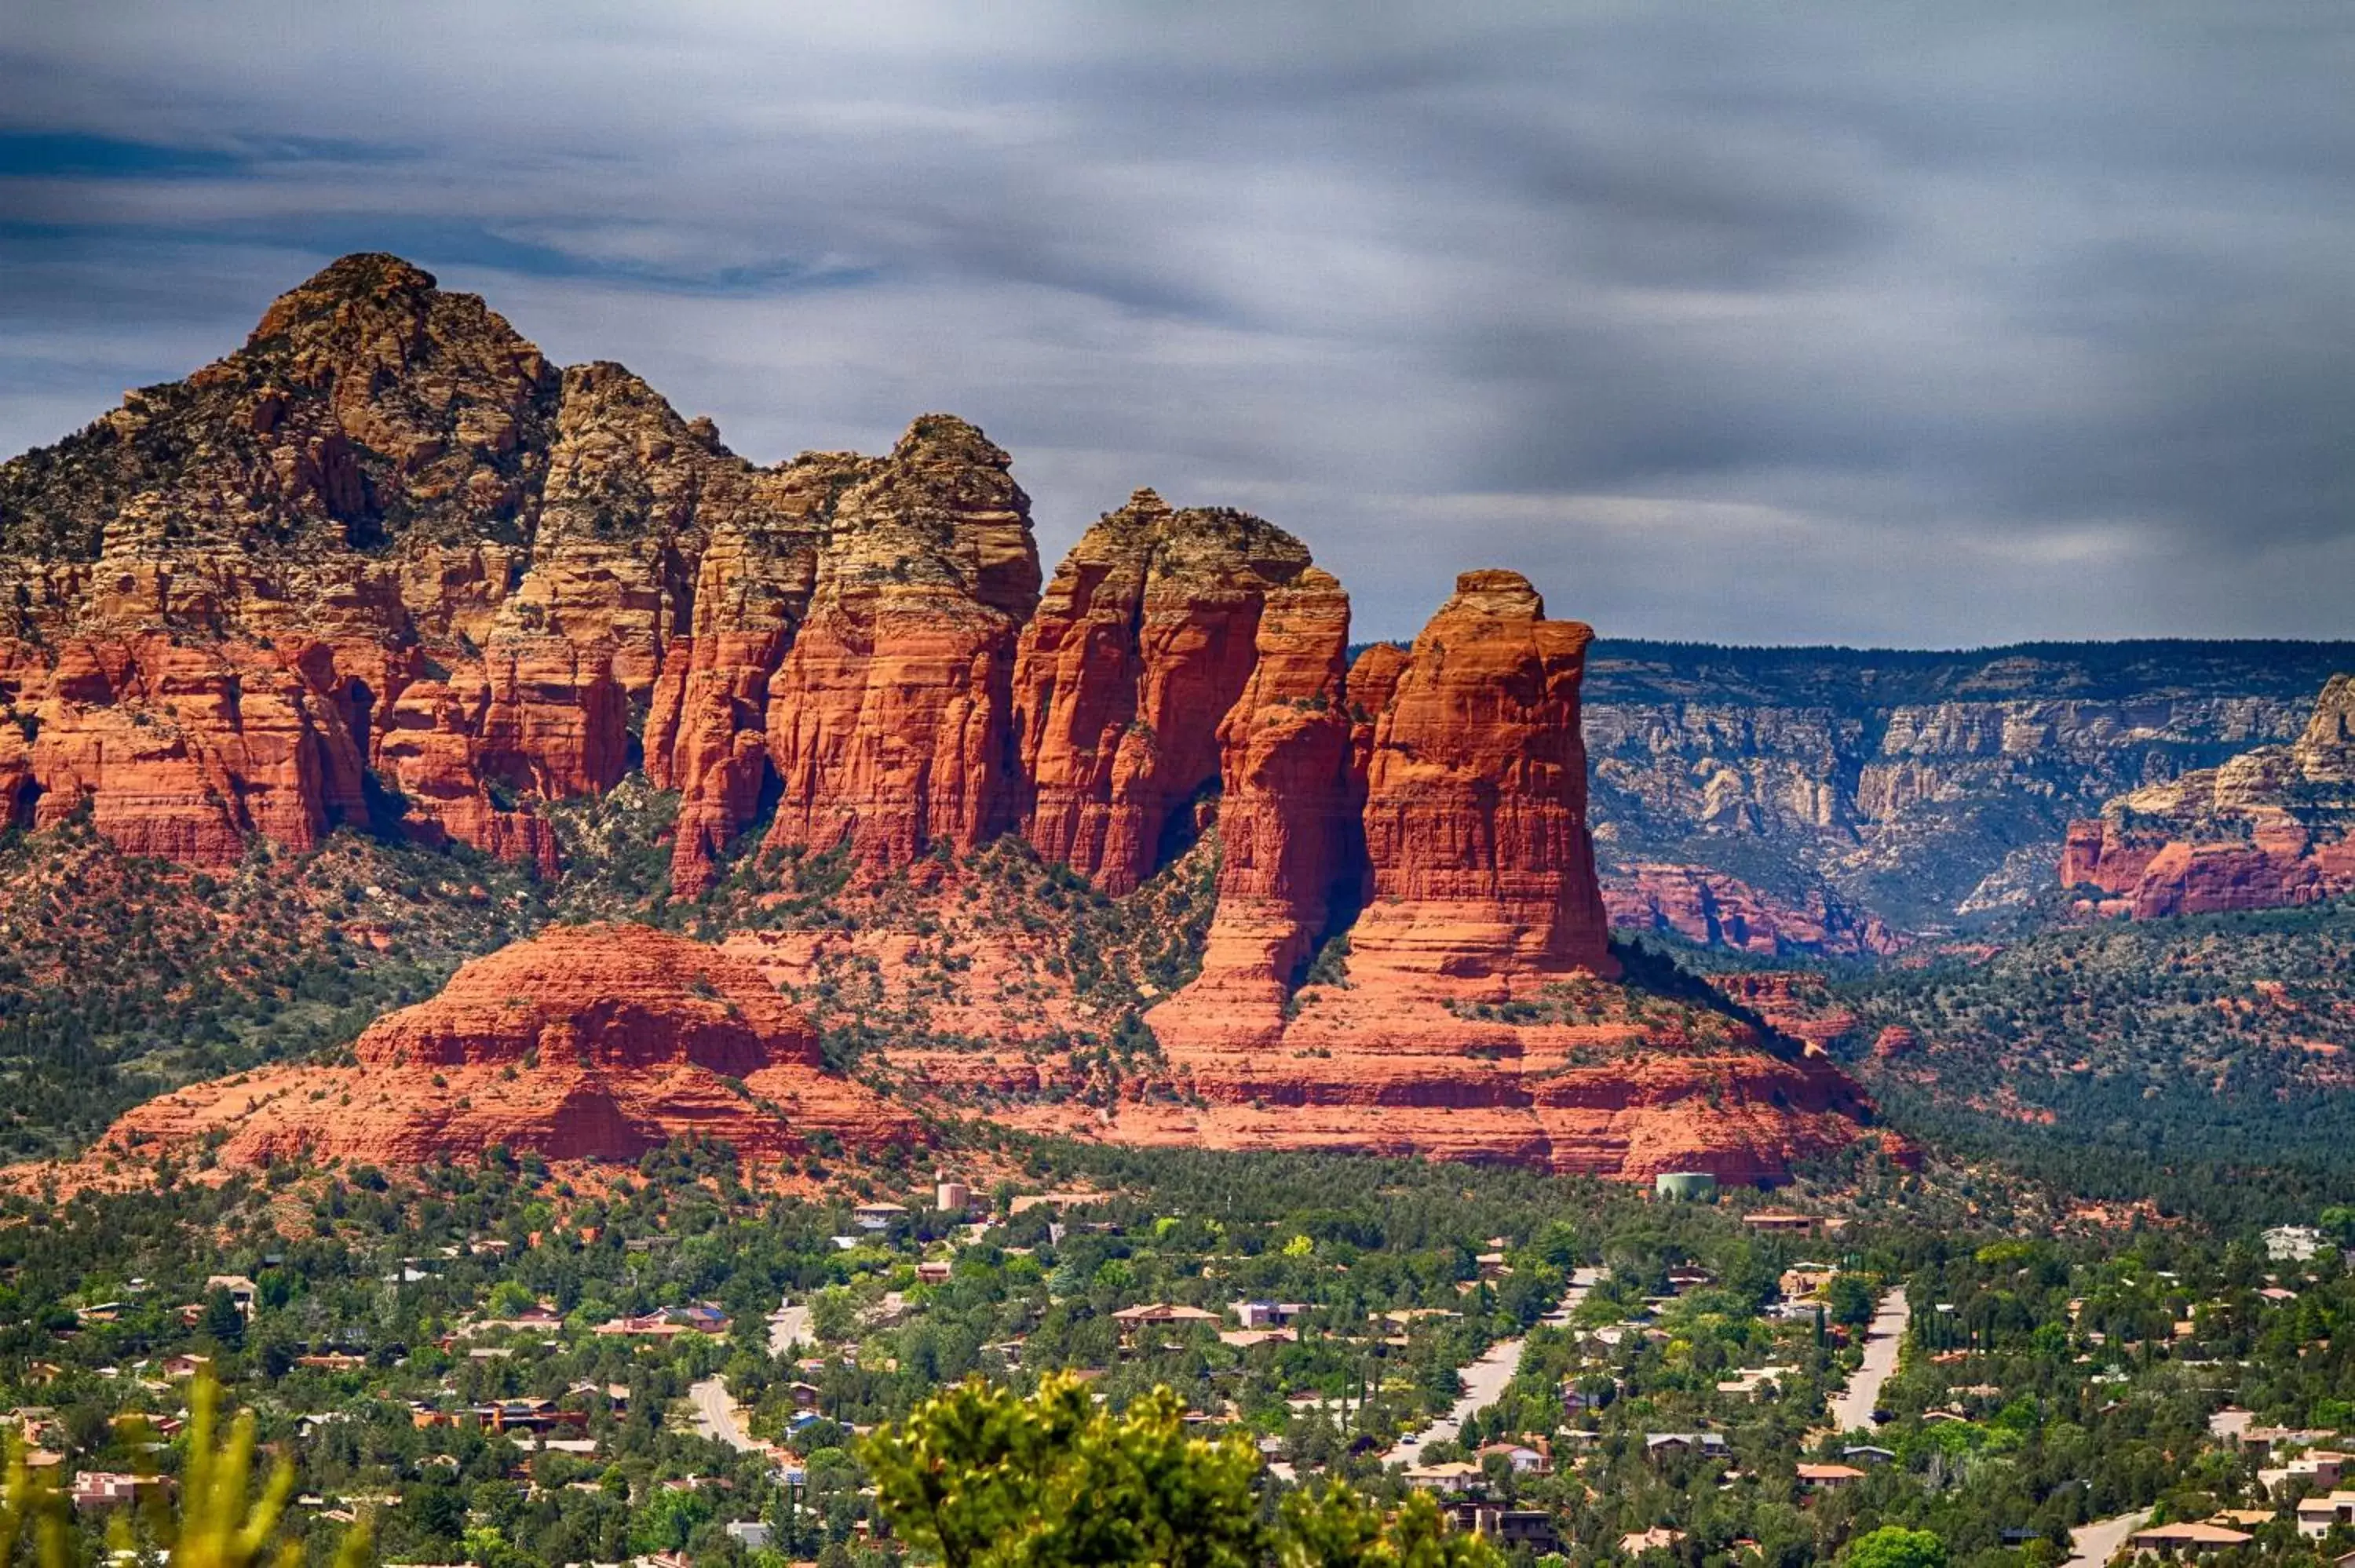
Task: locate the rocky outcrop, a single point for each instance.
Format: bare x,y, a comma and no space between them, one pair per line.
587,1043
1145,637
706,733
1388,1072
385,565
1712,909
1289,837
1898,785
1475,796
2267,828
892,721
1474,1015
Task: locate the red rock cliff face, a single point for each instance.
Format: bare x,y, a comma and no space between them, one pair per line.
1474,1015
587,1043
1713,910
890,723
386,563
706,734
1144,640
2268,827
1475,796
418,549
1288,818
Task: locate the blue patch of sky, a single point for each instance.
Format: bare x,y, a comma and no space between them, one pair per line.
429,242
79,154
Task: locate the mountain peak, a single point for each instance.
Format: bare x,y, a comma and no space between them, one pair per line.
370,281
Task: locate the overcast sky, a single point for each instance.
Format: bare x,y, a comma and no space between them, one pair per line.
1874,324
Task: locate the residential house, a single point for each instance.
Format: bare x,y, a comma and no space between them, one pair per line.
1267,1314
1524,1459
1577,1400
1456,1475
1508,1527
1658,1538
1829,1478
1659,1443
1775,1222
2292,1244
1056,1201
2322,1467
103,1489
1135,1320
668,1320
2186,1539
1249,1339
878,1216
2317,1514
241,1290
1754,1380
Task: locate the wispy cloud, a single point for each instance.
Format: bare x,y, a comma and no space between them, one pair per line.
1866,324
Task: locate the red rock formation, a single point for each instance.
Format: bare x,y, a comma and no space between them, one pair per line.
1894,1042
1713,910
890,723
1380,1072
1285,818
1143,641
1475,797
1476,1019
2268,827
706,735
386,535
586,1043
176,751
474,563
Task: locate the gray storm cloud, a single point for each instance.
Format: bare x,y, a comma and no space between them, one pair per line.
1871,325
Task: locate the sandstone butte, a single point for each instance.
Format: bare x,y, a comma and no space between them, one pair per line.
585,1042
386,565
2266,828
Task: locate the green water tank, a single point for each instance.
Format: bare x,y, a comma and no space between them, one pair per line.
1686,1186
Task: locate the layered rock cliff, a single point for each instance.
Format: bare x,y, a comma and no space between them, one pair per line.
2266,828
385,569
1147,637
588,1043
1712,909
1917,788
1475,796
890,720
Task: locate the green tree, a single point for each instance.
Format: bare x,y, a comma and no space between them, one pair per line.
1336,1528
988,1479
833,1316
223,1323
1850,1299
1894,1546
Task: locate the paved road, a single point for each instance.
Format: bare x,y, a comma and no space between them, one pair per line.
1853,1406
2091,1545
1483,1382
787,1324
717,1417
